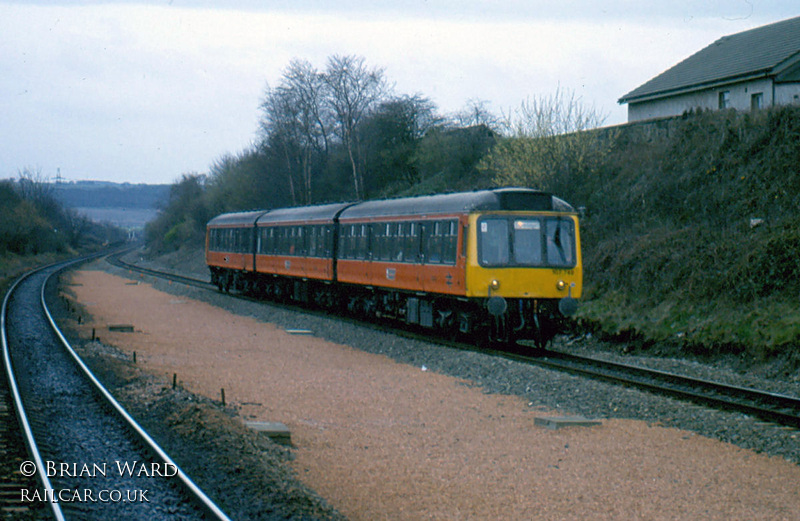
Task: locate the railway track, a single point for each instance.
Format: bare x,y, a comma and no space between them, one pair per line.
768,406
88,457
771,407
12,454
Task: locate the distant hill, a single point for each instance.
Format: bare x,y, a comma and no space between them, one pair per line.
103,194
125,205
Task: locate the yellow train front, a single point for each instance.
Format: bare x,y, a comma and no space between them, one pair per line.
526,268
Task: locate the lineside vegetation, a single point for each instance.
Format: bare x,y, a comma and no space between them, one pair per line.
691,225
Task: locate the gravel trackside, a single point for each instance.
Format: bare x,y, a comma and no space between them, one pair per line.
388,428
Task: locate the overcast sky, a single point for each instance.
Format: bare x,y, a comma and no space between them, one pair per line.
146,91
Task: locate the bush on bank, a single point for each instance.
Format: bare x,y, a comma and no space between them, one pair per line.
692,233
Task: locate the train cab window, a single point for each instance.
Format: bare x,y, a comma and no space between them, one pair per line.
560,239
494,242
528,242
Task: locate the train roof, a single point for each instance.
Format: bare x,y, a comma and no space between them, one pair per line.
237,218
324,212
511,199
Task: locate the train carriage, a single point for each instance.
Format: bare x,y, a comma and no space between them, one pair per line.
294,252
229,248
409,244
504,260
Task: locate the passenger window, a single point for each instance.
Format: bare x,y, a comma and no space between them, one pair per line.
327,240
363,242
343,237
377,241
350,242
411,243
433,255
399,245
450,242
284,240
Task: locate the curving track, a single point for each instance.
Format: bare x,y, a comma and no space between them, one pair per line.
91,459
772,407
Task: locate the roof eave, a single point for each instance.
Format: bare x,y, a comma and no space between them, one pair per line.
696,87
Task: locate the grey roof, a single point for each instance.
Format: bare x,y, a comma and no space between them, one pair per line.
308,214
765,50
511,199
521,199
237,219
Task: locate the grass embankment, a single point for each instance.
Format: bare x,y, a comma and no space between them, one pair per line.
12,266
692,234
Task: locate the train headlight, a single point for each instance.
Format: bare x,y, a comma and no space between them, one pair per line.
494,285
561,285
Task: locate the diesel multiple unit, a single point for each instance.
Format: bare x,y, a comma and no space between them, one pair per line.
503,263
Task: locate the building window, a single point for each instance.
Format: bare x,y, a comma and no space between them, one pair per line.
757,101
724,99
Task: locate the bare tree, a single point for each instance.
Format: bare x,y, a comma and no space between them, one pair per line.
307,86
281,135
558,114
33,186
476,112
304,89
550,141
354,89
296,122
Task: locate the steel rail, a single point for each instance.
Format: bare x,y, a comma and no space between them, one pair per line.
200,497
715,394
30,441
